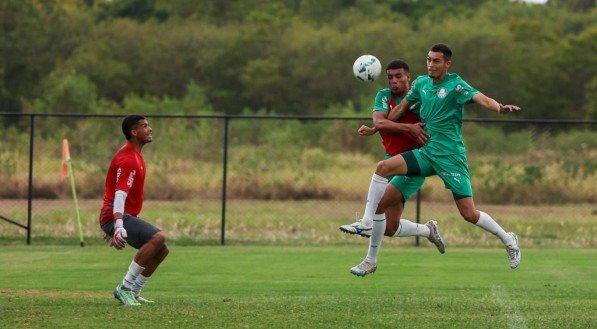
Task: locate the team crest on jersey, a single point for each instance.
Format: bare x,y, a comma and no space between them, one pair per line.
441,93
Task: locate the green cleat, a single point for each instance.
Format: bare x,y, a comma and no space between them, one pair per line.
125,296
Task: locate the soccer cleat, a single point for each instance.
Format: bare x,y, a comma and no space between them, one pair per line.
144,300
434,236
357,228
513,252
364,268
125,296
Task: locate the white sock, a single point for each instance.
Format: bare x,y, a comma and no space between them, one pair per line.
379,227
140,282
134,271
408,228
376,189
488,224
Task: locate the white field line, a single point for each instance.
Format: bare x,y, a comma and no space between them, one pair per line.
516,320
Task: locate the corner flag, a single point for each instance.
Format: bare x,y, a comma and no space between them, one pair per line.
66,170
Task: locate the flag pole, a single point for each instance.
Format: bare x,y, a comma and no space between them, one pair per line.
69,169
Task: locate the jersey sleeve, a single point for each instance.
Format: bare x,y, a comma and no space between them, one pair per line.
464,92
126,173
382,102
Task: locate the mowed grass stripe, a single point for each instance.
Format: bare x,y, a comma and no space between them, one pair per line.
302,287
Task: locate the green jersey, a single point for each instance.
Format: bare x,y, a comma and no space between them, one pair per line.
441,110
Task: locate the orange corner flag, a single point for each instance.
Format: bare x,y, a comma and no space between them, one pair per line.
65,159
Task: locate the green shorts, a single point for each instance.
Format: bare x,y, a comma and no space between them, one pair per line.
408,186
452,169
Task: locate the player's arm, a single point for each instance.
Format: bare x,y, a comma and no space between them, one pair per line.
493,105
399,110
382,123
120,235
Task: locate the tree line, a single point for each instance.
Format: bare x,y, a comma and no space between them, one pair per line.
288,56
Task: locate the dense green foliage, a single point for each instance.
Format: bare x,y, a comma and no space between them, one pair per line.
291,56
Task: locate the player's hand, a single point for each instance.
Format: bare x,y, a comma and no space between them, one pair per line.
366,131
119,237
505,109
418,132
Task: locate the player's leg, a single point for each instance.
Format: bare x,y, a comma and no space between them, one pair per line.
155,246
123,294
470,213
454,172
396,165
400,189
152,250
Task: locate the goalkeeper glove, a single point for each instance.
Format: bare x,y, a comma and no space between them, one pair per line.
119,237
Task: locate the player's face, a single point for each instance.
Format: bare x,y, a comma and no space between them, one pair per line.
398,81
437,65
143,132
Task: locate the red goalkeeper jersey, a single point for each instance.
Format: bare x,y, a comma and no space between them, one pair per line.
126,173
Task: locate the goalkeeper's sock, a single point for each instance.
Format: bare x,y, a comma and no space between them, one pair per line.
140,282
408,228
487,223
129,279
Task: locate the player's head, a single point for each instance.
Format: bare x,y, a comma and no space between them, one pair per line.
398,76
130,123
439,59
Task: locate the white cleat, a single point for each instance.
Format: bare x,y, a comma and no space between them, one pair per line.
364,268
434,236
357,228
513,252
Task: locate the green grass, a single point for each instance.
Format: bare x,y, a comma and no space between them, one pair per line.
301,287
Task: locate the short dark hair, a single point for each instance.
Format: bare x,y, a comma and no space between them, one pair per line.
397,64
442,48
129,122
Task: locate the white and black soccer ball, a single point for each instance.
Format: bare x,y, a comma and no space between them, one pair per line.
366,68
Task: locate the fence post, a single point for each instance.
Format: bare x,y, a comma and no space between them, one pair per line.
224,179
30,191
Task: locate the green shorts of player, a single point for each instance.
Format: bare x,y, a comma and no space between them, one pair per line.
407,185
452,169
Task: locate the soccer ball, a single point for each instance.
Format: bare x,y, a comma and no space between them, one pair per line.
366,68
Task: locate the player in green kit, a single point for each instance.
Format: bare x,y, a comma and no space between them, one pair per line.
404,135
442,96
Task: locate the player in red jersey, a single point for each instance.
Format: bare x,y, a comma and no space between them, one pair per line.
403,135
123,200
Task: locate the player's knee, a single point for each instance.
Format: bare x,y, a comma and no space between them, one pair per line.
383,169
469,215
159,239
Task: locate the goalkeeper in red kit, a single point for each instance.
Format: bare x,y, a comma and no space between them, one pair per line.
123,200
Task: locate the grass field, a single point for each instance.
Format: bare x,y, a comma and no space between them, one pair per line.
301,287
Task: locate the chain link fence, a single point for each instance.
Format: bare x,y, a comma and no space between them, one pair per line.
290,180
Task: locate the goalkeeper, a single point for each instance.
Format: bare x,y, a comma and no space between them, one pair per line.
123,200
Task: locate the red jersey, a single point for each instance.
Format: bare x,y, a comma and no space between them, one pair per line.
126,173
394,142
